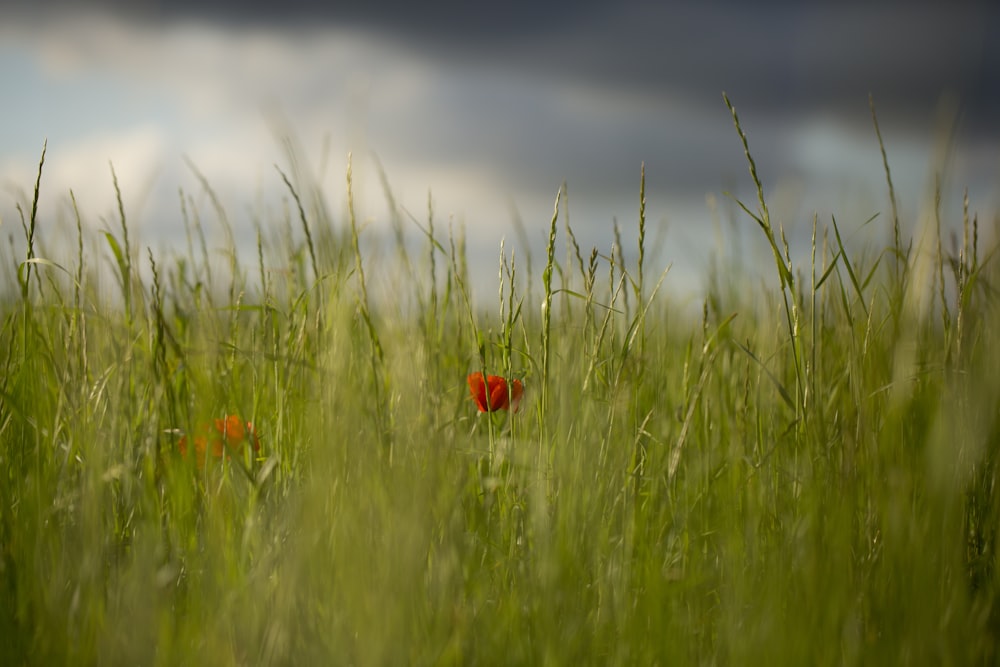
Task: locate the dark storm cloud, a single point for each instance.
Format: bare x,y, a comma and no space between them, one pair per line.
798,56
782,58
776,56
459,20
486,101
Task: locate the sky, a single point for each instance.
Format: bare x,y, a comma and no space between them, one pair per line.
491,107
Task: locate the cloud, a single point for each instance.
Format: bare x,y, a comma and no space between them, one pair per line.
84,166
491,119
774,55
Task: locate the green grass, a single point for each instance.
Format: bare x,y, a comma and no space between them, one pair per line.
807,474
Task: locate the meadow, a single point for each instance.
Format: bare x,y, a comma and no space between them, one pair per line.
207,460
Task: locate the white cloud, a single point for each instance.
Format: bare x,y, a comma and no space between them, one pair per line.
84,166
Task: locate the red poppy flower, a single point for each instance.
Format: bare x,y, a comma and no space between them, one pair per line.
493,394
234,432
230,432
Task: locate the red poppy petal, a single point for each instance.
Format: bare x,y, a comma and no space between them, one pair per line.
498,392
232,430
477,387
253,436
516,391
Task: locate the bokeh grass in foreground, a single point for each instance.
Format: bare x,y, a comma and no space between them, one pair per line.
804,475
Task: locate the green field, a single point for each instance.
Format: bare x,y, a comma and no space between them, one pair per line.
804,474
